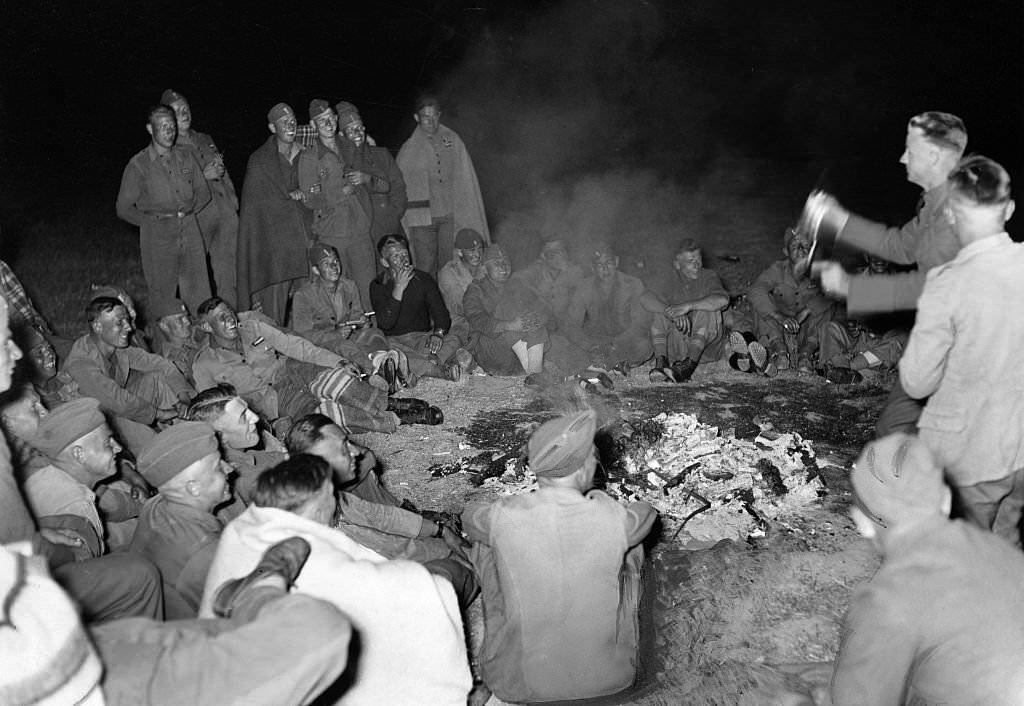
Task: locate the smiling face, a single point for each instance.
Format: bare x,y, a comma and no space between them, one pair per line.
114,327
498,269
555,256
182,115
356,132
222,323
163,128
326,124
339,453
329,269
284,128
44,359
472,256
688,264
99,449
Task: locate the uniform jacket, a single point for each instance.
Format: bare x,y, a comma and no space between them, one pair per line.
336,214
964,356
928,240
386,190
777,291
315,307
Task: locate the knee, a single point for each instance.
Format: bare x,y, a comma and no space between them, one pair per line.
318,622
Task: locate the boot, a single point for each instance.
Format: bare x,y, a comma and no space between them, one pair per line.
431,416
661,372
406,404
682,370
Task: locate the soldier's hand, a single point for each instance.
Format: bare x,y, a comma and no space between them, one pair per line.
835,281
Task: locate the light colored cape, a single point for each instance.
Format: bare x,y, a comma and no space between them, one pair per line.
412,649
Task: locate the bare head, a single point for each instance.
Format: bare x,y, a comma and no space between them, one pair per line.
934,144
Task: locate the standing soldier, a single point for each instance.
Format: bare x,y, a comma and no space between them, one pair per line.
162,190
219,220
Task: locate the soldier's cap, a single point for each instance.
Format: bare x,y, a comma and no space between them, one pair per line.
347,114
281,110
467,239
603,251
560,446
494,252
318,251
317,107
173,450
167,306
66,424
896,478
170,96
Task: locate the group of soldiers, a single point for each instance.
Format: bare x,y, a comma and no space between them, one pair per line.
305,577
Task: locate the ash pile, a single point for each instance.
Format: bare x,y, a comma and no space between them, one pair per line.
706,484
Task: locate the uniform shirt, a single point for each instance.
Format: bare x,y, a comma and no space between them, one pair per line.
206,152
555,288
96,377
181,540
964,356
942,622
683,289
776,291
928,240
612,313
254,364
316,306
155,188
388,530
51,491
557,625
421,309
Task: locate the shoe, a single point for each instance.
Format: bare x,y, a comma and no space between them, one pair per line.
406,404
465,359
804,364
451,370
661,372
682,370
285,559
780,360
758,357
598,376
588,386
431,416
741,363
842,376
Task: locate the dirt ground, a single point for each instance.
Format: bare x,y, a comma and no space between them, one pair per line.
717,619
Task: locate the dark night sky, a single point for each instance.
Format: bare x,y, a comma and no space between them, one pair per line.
696,97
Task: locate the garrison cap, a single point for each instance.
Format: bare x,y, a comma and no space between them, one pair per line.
560,446
175,449
896,478
66,424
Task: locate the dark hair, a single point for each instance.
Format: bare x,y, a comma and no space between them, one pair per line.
383,241
981,180
161,109
210,403
209,305
426,100
942,129
102,305
306,432
291,484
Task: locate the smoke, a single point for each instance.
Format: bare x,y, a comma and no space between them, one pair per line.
616,123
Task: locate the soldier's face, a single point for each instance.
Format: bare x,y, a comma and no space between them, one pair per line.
113,327
182,115
178,327
498,270
918,157
99,449
330,269
688,264
340,454
223,323
356,133
163,129
10,354
327,124
237,425
429,119
605,266
472,256
285,127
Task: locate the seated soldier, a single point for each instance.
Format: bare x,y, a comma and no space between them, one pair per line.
136,337
327,311
276,648
82,452
134,388
693,328
411,312
21,408
458,273
105,587
412,649
789,306
276,372
560,575
509,324
942,621
554,277
247,448
175,338
178,530
354,466
41,370
611,314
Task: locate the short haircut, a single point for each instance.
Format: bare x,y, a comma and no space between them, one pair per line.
385,239
291,484
981,180
427,100
306,432
943,130
688,245
156,110
209,305
210,403
102,305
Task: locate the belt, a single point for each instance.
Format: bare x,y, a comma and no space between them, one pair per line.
173,214
418,204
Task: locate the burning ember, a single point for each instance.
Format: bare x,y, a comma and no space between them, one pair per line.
706,485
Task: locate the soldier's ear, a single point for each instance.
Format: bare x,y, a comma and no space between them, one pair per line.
270,126
205,326
149,129
1008,210
96,325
